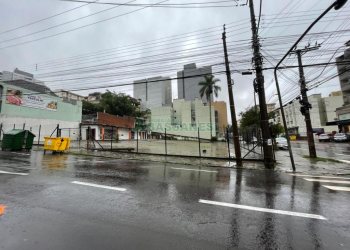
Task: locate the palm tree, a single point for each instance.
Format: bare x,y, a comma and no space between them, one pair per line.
208,86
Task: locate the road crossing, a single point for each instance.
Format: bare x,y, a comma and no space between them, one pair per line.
334,183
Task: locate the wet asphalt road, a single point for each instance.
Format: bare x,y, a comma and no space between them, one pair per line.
157,206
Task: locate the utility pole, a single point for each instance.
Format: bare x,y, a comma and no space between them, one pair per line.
305,105
232,105
264,120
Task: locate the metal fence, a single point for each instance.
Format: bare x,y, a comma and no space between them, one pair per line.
144,142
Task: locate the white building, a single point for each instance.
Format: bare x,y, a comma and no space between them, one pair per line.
67,95
19,75
184,118
188,79
153,92
323,111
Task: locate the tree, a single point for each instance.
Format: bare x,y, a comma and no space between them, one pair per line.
115,104
208,87
250,117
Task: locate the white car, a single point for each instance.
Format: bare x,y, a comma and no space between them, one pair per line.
281,143
324,137
341,137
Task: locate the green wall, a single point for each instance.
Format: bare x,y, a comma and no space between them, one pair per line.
65,111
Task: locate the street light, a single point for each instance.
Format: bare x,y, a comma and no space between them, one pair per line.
337,5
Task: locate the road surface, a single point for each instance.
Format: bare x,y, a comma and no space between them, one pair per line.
78,202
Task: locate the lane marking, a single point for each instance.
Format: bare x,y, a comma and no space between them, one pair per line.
20,153
2,209
99,186
198,170
331,181
345,161
337,188
5,172
339,154
326,177
265,210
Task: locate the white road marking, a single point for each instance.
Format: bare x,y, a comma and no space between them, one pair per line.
198,170
331,181
99,186
20,153
345,161
340,154
265,210
320,176
14,173
337,188
82,160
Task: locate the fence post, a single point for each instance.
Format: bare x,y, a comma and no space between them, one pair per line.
14,126
24,126
57,130
137,141
0,130
166,149
112,138
228,143
80,135
39,134
199,144
88,138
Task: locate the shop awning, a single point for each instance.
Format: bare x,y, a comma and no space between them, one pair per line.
341,122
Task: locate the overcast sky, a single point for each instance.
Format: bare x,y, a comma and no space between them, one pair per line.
121,38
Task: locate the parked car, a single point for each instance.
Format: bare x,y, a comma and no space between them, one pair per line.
324,137
341,137
281,143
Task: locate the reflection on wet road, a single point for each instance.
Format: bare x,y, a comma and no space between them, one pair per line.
77,202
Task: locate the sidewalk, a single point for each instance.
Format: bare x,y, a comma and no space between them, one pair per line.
303,164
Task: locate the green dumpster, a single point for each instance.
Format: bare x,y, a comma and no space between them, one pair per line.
17,139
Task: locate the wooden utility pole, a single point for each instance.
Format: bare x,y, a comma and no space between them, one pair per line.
305,105
264,119
232,105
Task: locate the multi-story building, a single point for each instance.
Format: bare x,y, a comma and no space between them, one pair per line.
343,113
19,75
67,95
188,79
323,112
220,117
270,107
153,92
184,118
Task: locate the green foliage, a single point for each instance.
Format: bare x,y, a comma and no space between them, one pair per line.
276,130
90,108
115,104
251,117
208,86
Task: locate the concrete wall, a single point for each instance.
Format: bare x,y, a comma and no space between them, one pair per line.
65,111
183,119
46,126
67,115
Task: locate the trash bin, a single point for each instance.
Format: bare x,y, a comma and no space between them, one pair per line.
56,144
293,137
17,139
